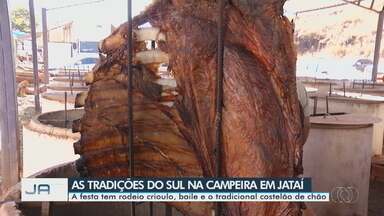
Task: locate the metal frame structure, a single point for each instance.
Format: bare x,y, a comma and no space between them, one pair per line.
9,128
358,3
219,100
379,31
45,32
323,8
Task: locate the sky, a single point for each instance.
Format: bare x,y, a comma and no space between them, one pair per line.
106,12
114,11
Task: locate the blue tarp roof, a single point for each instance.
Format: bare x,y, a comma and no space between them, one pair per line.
17,33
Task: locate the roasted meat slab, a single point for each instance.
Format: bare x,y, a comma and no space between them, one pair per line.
263,124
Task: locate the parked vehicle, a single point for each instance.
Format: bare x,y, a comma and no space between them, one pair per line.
84,63
81,62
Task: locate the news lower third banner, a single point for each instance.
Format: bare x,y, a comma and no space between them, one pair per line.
171,190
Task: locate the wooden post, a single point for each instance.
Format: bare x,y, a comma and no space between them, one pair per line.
379,34
34,57
45,45
9,128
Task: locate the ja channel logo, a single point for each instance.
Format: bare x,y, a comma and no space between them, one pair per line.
44,189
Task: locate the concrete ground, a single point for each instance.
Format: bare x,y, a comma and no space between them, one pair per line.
41,151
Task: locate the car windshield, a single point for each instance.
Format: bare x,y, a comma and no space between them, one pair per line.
89,47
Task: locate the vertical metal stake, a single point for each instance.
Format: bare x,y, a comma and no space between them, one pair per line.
330,88
219,96
34,57
168,210
45,45
65,108
151,209
69,78
315,105
372,3
130,100
71,81
344,87
327,104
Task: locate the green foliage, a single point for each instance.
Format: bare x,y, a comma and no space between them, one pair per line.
20,20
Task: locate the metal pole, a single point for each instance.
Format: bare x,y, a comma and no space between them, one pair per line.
65,108
219,96
379,34
34,57
372,3
344,87
45,45
130,99
151,209
315,105
330,88
168,210
327,104
69,77
71,81
11,164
